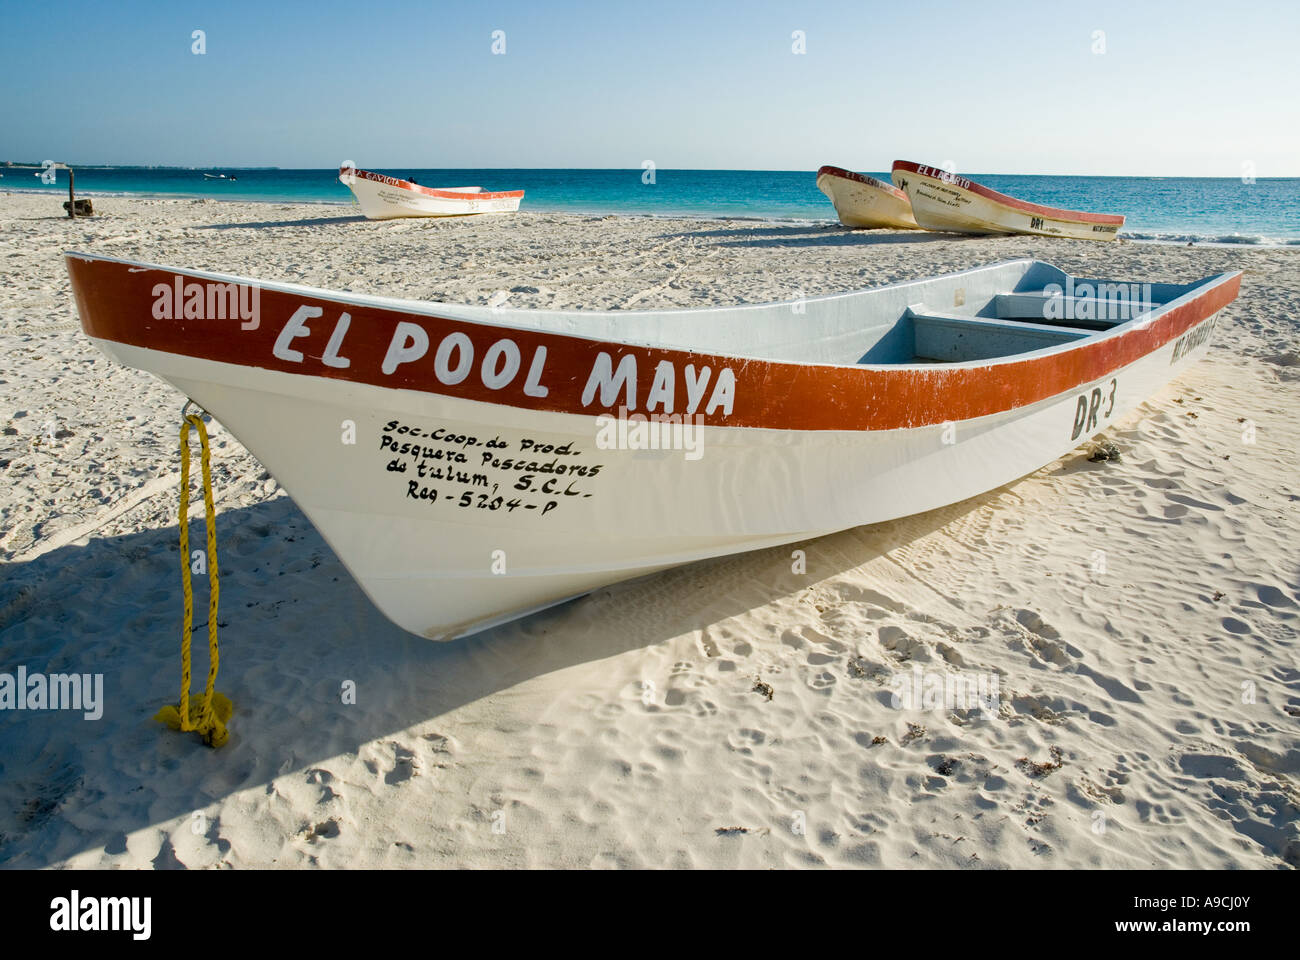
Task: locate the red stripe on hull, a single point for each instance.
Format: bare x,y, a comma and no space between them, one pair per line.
861,178
116,300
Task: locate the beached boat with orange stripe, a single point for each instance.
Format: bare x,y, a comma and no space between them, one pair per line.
505,460
385,198
950,203
863,202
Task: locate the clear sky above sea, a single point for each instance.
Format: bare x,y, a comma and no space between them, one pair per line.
1136,88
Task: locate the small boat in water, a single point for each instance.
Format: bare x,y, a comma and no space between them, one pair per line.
949,203
384,198
493,462
865,202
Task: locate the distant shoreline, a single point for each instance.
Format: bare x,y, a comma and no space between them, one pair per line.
550,211
1226,240
133,195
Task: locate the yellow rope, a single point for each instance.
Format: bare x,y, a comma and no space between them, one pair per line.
208,717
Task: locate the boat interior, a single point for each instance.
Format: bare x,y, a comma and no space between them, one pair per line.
1029,318
1008,324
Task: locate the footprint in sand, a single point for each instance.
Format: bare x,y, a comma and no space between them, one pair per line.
815,636
1265,760
823,681
322,778
1040,708
854,594
404,767
1287,675
1280,632
326,830
166,858
951,655
1273,597
1043,637
902,644
744,741
867,822
1034,623
1149,812
437,742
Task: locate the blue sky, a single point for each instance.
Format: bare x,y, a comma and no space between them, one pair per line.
1191,88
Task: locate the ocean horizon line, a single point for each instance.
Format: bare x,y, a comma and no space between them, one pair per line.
37,165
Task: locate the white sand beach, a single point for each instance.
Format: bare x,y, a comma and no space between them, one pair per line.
1140,616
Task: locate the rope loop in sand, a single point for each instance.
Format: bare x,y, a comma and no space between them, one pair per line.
207,717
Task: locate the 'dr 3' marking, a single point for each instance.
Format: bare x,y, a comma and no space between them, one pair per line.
1089,412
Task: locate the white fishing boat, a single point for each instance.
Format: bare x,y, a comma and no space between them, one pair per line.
385,198
865,202
950,203
472,464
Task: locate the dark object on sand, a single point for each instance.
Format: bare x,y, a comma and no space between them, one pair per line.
82,206
1105,451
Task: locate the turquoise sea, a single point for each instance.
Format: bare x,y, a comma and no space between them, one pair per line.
1173,209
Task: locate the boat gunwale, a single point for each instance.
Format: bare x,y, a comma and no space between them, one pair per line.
833,171
781,395
988,193
429,309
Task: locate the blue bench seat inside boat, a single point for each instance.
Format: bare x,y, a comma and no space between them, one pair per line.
925,335
952,338
1054,309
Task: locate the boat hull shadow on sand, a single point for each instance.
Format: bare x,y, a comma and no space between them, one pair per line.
470,464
